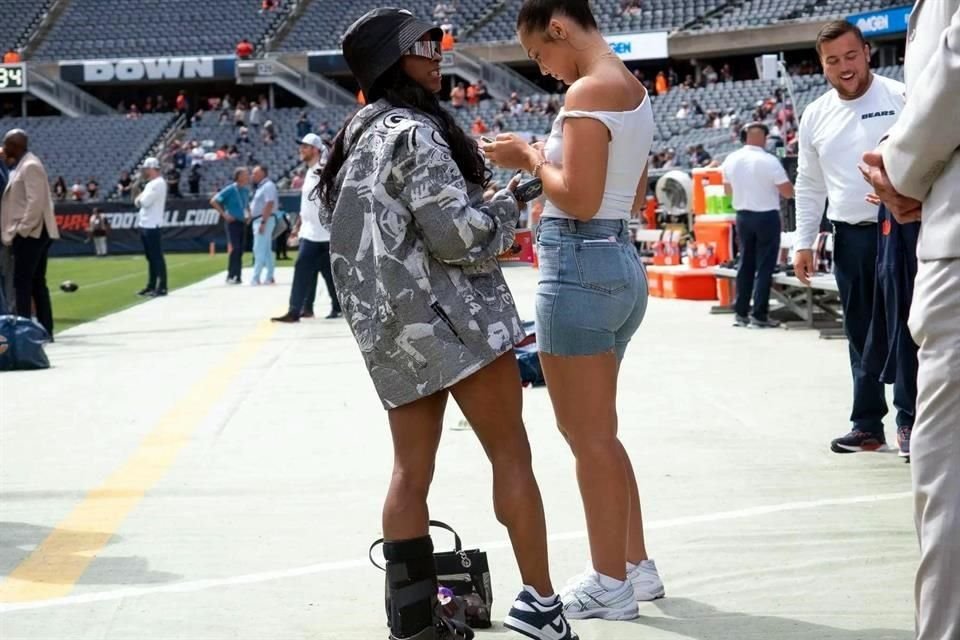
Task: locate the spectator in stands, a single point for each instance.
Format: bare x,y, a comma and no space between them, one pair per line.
482,93
231,203
224,117
244,49
233,153
472,98
97,230
133,113
173,183
710,74
28,227
196,154
268,5
684,111
631,7
661,83
124,185
553,107
93,188
269,132
148,105
60,189
182,104
835,131
240,115
727,119
180,158
448,42
701,157
12,56
193,180
304,126
479,127
264,209
243,136
153,205
254,117
458,96
757,180
77,192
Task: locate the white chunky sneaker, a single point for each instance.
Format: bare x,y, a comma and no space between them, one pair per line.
590,599
646,581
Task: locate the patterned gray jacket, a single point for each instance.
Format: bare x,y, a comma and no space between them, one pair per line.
414,257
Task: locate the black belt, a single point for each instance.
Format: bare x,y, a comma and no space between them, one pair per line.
867,223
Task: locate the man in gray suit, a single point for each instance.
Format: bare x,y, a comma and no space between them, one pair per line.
916,172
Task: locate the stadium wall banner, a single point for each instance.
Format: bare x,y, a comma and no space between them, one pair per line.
189,225
139,70
640,46
880,23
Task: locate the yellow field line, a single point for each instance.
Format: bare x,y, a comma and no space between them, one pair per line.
53,568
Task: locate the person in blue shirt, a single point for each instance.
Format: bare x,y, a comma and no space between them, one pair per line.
264,211
231,203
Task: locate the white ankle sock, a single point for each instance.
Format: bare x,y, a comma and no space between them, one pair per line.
545,601
608,583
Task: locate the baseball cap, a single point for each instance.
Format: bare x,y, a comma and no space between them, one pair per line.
151,163
378,39
313,140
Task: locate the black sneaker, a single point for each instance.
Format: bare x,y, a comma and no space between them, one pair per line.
530,618
333,314
856,441
763,324
145,292
288,318
903,441
159,293
308,314
741,321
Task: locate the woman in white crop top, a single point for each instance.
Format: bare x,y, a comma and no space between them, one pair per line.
592,294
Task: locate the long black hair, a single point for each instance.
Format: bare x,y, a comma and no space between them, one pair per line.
397,88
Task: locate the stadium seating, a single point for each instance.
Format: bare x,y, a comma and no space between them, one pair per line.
117,28
92,146
657,15
756,13
324,21
18,18
280,157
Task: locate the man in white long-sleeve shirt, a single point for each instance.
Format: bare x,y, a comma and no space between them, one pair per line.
153,204
835,131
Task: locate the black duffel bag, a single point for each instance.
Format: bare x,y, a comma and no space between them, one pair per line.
466,573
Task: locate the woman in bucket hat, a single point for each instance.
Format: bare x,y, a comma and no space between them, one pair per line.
414,250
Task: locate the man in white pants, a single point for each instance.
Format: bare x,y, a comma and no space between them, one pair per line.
916,172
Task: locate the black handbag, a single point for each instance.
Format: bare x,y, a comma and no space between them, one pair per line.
466,573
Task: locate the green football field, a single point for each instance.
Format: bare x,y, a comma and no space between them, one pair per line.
111,284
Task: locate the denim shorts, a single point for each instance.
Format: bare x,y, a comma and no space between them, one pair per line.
593,291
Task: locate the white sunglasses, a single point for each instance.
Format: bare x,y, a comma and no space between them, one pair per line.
425,49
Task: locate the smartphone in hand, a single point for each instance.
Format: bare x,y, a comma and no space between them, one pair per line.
529,190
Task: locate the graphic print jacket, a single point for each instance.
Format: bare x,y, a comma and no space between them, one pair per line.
413,251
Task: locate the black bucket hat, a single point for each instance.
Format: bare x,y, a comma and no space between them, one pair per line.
378,39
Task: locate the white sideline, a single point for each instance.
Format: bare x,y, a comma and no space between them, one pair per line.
327,567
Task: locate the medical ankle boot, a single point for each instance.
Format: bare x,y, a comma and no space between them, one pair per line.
411,588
